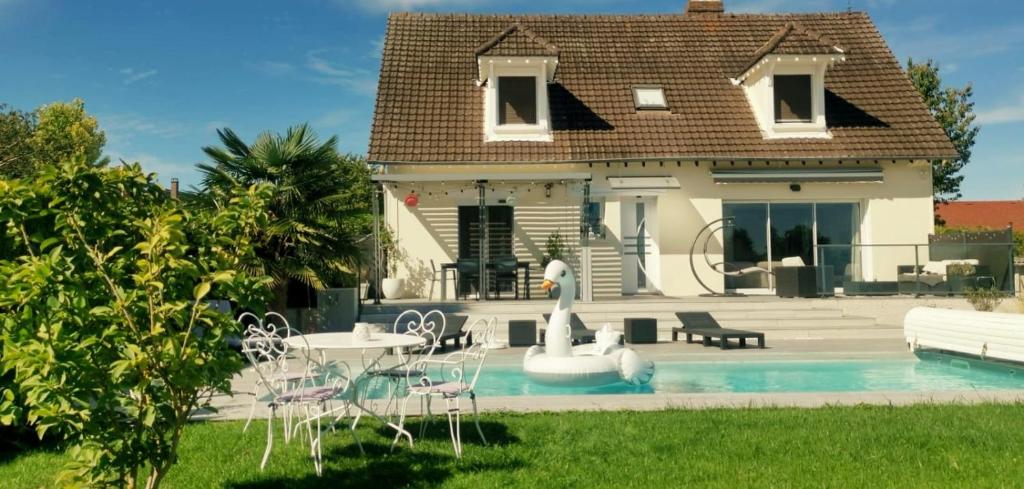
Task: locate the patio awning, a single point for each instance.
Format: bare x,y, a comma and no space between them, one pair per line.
786,175
643,183
480,177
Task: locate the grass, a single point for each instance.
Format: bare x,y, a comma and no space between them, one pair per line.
865,446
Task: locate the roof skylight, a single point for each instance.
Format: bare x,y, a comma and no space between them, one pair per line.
649,98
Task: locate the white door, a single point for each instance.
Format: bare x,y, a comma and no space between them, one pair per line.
639,245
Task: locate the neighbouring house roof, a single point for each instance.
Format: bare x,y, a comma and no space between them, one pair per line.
994,214
792,38
430,108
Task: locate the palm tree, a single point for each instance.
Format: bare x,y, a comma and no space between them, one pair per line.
319,209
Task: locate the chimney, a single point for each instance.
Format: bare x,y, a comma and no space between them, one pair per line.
704,7
174,188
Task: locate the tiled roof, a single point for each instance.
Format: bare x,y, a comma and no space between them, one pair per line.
993,214
430,109
517,40
793,39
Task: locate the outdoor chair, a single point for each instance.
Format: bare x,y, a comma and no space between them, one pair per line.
310,399
435,276
579,331
431,327
467,276
256,330
449,379
704,325
506,270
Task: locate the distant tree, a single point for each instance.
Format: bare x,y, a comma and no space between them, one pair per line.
954,110
16,129
64,129
51,134
319,209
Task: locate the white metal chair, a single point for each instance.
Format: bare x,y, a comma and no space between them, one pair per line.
310,400
257,329
430,327
447,378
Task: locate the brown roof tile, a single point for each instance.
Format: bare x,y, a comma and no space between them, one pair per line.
429,108
517,40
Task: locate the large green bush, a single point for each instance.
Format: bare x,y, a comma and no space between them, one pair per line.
102,312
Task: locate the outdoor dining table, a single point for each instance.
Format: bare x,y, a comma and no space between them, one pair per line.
373,348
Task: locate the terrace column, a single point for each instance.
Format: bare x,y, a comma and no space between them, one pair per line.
377,253
586,285
482,286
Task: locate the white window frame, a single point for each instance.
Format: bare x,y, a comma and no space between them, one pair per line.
759,88
538,68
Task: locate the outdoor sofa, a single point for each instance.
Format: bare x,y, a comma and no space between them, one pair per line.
704,325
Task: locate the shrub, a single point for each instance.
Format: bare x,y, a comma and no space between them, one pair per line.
102,313
983,299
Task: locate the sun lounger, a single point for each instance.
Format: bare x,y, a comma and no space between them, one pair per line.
580,333
703,325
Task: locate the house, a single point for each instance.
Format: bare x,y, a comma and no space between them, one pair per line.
630,135
988,214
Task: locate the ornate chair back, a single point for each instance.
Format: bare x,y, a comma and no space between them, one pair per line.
266,349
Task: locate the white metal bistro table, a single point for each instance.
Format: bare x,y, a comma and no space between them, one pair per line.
379,344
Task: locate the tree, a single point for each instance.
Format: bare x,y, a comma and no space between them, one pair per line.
954,110
51,134
319,209
64,129
102,313
16,129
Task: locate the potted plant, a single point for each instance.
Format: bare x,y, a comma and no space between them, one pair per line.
391,286
555,249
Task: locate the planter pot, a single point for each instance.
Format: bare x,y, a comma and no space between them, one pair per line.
392,287
337,309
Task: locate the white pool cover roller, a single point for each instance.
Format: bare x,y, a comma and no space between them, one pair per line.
983,334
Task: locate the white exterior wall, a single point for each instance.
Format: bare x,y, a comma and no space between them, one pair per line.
898,211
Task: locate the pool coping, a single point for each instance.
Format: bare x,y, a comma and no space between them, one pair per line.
693,401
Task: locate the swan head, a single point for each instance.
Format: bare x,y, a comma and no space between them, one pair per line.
558,274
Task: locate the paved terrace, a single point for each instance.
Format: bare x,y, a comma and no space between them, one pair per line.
831,344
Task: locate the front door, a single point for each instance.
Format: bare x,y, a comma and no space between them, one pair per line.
639,248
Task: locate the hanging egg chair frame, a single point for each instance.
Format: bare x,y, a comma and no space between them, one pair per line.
706,233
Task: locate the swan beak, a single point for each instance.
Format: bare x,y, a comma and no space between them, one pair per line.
547,284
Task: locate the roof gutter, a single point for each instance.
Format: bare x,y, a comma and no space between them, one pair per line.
677,159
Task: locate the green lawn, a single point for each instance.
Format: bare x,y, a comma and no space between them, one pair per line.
920,446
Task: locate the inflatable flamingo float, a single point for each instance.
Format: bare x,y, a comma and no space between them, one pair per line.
561,364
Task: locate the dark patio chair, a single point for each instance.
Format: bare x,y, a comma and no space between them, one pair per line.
505,271
467,276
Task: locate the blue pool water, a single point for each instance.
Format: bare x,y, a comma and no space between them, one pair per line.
928,372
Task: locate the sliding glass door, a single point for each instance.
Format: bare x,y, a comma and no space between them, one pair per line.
764,233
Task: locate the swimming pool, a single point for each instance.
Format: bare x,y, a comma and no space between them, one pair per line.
928,372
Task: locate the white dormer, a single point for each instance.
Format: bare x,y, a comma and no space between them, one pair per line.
785,83
515,70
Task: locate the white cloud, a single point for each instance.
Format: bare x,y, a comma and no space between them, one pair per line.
130,124
1006,114
131,75
274,68
325,71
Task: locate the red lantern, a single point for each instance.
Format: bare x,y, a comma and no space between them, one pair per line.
412,200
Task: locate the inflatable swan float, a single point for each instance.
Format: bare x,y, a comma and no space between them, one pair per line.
559,363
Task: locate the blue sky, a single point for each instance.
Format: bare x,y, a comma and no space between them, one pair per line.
162,75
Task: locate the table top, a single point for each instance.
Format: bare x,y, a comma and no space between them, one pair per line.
347,341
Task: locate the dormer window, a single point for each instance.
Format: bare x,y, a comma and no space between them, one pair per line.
517,100
515,69
649,98
793,98
784,81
